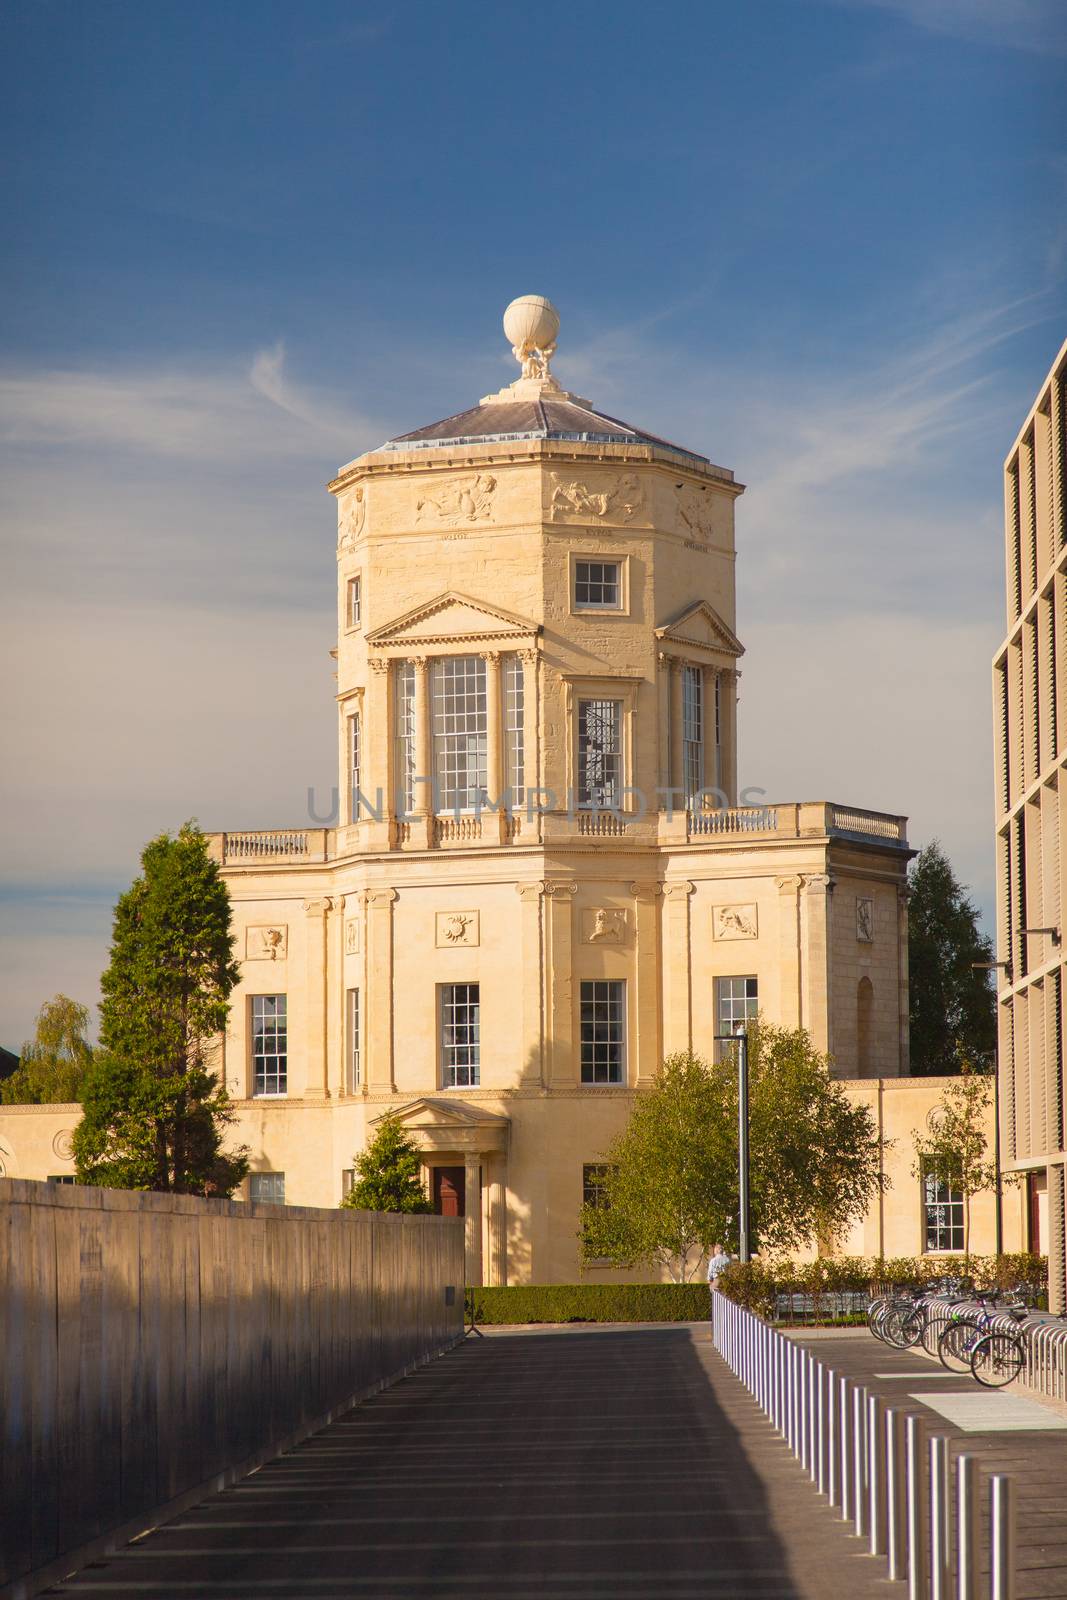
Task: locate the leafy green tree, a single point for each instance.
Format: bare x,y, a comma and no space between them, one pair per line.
955,1150
953,1007
670,1185
54,1063
155,1112
388,1173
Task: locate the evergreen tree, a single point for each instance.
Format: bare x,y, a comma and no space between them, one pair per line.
155,1112
388,1173
953,1007
54,1063
670,1184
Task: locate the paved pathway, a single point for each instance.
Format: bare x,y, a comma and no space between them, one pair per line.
1007,1430
548,1464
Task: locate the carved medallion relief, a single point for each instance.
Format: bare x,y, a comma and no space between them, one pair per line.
457,930
63,1144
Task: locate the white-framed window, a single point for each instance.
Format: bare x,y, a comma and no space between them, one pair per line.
404,689
942,1215
62,1177
692,731
348,1181
736,1005
514,711
354,1040
599,752
460,731
354,602
594,1184
355,743
461,1047
267,1187
269,1045
603,1031
597,585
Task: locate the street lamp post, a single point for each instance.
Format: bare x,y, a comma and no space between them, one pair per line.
739,1040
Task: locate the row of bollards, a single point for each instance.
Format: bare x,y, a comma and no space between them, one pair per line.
874,1463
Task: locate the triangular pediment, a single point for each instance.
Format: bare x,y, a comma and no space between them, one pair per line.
452,618
699,626
427,1112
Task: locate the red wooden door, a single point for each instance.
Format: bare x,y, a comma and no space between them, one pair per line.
449,1191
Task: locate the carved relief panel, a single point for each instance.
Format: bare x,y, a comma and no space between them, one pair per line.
455,501
604,925
267,943
865,919
599,498
351,936
735,922
352,515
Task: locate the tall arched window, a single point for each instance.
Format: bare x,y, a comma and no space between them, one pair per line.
864,1027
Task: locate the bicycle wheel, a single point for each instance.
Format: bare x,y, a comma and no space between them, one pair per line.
996,1359
910,1328
956,1343
933,1327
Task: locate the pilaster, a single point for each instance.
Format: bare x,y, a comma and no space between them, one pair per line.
494,823
378,1006
531,737
316,1066
646,1049
533,981
816,987
472,1219
676,726
790,1005
677,968
561,1057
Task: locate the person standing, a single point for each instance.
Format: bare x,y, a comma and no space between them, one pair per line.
718,1262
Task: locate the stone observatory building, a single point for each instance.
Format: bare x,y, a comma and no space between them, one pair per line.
543,879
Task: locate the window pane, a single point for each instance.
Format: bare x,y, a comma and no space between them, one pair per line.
599,752
598,585
943,1215
267,1187
736,1004
405,738
594,1180
459,732
354,754
353,1040
603,1032
269,1058
692,731
460,1035
514,751
355,602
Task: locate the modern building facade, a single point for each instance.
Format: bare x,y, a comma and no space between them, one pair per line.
1030,717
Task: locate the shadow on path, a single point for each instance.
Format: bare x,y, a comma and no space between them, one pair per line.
533,1466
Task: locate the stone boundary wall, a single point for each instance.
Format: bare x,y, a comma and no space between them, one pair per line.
156,1347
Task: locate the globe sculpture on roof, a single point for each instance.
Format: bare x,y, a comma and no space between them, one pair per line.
532,324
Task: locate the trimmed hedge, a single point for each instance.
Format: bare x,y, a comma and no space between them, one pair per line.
590,1302
757,1284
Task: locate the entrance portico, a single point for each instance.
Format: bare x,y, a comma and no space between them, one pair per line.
465,1170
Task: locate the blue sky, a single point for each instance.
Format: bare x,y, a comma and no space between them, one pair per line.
824,241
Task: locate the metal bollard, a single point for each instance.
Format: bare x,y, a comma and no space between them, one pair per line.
876,1475
1001,1537
895,1496
846,1424
802,1436
940,1512
917,1517
967,1528
859,1460
833,1475
818,1425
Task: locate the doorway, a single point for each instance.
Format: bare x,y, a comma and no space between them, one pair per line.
450,1191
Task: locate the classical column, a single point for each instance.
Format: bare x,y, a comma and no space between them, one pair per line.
377,1006
493,823
498,1220
677,971
712,775
677,733
790,1007
532,979
378,779
422,802
531,745
646,1047
817,990
728,719
472,1221
316,1068
561,1057
663,711
903,1008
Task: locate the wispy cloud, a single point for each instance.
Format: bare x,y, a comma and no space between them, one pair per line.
1034,25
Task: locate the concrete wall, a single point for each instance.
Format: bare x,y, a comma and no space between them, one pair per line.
154,1346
